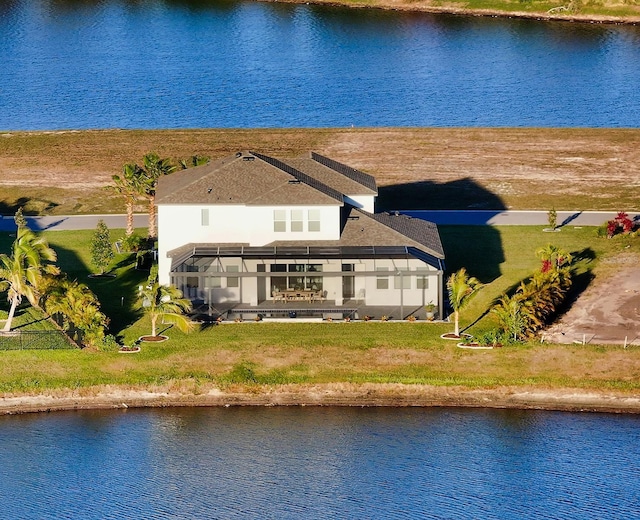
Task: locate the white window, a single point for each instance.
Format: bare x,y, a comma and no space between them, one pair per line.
213,282
402,281
297,222
314,220
233,281
422,280
279,220
382,281
204,216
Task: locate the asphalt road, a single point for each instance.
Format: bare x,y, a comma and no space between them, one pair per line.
515,218
451,217
73,222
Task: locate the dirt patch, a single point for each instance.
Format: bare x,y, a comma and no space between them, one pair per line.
609,310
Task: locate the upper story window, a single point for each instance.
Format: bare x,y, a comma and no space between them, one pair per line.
204,216
297,223
314,219
279,220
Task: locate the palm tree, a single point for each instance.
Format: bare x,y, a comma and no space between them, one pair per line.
193,161
166,302
461,288
22,272
154,168
129,186
78,311
514,315
552,257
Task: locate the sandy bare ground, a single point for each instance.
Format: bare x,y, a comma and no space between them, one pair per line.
334,395
441,168
609,310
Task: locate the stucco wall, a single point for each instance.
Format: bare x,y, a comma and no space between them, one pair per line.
254,225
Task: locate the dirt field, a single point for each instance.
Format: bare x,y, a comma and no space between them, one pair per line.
608,312
416,168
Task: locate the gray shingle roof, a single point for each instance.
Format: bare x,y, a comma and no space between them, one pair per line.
244,178
344,179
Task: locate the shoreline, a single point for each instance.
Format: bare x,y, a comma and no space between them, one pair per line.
358,395
425,7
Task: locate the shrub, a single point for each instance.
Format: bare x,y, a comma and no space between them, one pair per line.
109,343
621,224
134,243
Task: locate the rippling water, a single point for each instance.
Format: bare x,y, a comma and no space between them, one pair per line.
220,63
319,463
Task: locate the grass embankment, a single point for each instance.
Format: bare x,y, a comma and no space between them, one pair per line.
415,168
259,354
615,11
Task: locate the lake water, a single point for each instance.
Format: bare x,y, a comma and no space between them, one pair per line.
320,463
218,63
72,64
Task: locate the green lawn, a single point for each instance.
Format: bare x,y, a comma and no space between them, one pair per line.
270,353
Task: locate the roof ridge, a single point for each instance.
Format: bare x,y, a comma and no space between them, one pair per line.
386,219
302,177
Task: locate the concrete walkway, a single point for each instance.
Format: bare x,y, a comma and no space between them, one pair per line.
451,217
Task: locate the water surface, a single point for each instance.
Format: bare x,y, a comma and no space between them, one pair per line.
182,64
320,463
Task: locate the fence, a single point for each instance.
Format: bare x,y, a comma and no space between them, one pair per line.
34,340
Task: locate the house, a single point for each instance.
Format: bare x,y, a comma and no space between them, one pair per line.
254,234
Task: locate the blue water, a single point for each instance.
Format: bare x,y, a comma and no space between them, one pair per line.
72,64
320,463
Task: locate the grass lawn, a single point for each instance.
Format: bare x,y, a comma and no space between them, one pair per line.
272,353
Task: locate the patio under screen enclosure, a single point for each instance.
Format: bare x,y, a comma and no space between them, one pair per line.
396,281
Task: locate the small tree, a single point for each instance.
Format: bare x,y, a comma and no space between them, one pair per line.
553,218
461,288
101,247
164,302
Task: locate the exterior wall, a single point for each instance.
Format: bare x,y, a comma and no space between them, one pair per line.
365,202
183,224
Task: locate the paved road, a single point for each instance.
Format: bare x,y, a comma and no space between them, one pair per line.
515,218
465,217
73,222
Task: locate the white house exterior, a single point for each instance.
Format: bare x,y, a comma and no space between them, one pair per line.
250,233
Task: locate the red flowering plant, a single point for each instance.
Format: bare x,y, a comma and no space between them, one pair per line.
620,224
